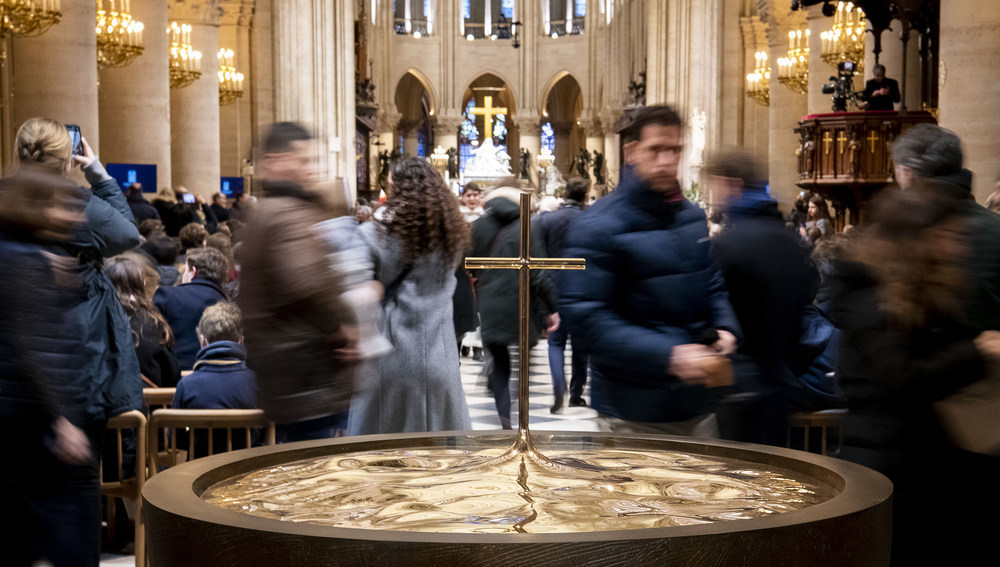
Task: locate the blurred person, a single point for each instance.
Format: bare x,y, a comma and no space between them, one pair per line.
800,210
497,234
993,202
221,379
241,205
174,213
218,207
108,372
363,213
770,281
416,245
905,344
192,235
931,156
149,227
472,201
152,335
817,216
548,204
142,210
223,244
164,251
301,339
553,227
200,287
651,307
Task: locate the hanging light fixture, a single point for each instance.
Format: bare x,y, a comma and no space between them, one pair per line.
759,81
119,36
230,80
793,70
846,40
185,61
25,18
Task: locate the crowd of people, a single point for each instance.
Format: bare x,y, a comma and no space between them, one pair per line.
681,326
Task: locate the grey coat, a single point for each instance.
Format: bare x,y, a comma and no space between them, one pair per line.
418,386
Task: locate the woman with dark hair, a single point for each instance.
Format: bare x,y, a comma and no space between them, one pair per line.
416,242
818,216
152,336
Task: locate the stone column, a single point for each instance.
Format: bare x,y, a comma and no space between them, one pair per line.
531,140
194,110
313,48
611,145
969,99
409,130
786,111
55,74
446,130
235,128
134,100
819,71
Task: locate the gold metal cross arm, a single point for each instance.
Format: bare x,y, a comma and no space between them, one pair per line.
524,264
487,111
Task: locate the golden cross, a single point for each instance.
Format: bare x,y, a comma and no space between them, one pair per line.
872,138
487,111
841,139
826,142
524,263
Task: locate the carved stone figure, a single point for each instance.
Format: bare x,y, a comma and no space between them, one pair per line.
525,163
598,168
452,163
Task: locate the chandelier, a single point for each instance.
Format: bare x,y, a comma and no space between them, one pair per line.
758,82
230,80
793,71
26,18
846,41
119,36
185,61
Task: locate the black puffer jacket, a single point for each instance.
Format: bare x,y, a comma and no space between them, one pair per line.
497,234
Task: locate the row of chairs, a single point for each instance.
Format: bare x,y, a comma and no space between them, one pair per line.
167,438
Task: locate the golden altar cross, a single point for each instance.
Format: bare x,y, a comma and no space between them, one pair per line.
826,142
524,263
841,140
487,111
872,138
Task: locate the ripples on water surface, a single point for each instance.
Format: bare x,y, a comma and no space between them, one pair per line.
448,490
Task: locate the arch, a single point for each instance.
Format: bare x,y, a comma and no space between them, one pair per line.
552,82
512,104
424,81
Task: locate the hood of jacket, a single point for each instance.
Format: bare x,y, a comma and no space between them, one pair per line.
221,352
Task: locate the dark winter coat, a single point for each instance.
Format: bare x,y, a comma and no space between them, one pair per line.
141,208
221,380
292,311
650,285
182,307
157,361
497,234
112,367
553,227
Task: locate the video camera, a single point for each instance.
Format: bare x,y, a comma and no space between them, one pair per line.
842,86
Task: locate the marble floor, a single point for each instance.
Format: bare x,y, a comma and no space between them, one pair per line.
483,411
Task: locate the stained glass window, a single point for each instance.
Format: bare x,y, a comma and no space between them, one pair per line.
548,137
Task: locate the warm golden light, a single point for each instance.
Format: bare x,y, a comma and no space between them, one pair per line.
846,40
185,61
119,36
230,80
26,18
793,70
759,81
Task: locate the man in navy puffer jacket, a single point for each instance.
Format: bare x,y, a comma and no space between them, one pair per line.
650,295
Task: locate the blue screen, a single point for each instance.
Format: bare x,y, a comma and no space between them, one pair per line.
128,173
231,186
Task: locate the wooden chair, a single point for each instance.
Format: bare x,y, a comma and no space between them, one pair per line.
158,398
825,421
183,423
128,488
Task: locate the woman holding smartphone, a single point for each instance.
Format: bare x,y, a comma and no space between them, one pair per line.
109,376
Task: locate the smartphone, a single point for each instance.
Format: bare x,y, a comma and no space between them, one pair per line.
75,138
188,197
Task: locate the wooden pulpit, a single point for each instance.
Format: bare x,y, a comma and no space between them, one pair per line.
845,156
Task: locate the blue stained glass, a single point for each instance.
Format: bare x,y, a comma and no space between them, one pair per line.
548,137
466,9
500,127
427,8
469,131
580,8
421,144
507,8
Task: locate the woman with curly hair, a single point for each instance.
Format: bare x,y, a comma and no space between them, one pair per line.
416,241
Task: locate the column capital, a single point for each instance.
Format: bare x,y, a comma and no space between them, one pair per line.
387,121
237,13
754,33
447,124
409,127
592,127
205,12
562,128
